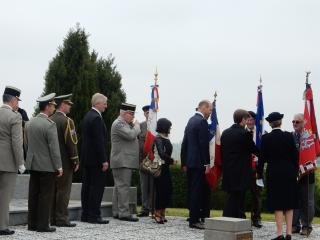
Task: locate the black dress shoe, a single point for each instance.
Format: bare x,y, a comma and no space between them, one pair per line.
66,224
279,238
98,221
197,225
129,219
6,232
257,224
288,237
49,229
296,229
32,228
143,214
116,216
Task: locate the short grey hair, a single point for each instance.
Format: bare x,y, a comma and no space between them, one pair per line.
6,98
98,98
276,123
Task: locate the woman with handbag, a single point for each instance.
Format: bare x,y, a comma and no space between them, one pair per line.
163,185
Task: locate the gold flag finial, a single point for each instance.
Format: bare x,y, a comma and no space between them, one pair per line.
156,77
260,81
215,95
308,72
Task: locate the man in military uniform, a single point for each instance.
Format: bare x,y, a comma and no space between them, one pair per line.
146,179
70,161
124,157
44,162
11,152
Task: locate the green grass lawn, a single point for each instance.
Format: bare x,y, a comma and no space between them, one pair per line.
182,212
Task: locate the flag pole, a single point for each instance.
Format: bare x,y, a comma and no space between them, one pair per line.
156,79
308,72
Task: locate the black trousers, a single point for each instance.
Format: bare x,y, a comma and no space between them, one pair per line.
234,206
256,199
206,193
196,184
92,192
41,189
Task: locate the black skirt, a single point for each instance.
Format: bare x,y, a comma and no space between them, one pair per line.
282,188
163,188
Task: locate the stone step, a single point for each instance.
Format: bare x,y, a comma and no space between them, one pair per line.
19,210
19,203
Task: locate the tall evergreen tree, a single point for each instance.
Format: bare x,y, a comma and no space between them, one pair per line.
75,70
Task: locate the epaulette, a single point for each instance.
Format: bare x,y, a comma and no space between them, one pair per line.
50,120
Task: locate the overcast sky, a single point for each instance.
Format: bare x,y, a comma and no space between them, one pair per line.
199,47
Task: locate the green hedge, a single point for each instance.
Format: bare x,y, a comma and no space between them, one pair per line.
217,197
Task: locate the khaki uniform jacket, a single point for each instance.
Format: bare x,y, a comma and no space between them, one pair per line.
67,140
41,142
124,145
11,140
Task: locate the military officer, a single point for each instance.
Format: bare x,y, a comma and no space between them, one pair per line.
44,163
146,179
124,157
70,161
11,152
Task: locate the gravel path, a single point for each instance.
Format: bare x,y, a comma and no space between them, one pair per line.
176,228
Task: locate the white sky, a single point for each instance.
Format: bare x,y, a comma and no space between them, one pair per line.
198,46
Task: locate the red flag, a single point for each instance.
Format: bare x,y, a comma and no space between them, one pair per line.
313,122
308,140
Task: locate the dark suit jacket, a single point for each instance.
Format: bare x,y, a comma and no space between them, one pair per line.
94,141
195,145
279,151
237,148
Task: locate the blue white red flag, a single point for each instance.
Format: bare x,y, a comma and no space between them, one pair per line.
259,117
214,149
152,120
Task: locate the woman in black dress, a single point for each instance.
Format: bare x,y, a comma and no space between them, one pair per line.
278,150
163,184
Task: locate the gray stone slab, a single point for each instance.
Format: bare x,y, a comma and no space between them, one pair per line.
22,187
228,224
220,235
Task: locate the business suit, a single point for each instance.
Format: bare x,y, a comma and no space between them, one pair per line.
146,179
124,157
195,149
237,148
11,157
43,161
93,155
278,150
69,156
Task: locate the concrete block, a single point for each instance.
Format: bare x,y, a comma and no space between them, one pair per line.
228,224
22,186
221,235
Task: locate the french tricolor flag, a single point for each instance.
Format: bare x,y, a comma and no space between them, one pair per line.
152,120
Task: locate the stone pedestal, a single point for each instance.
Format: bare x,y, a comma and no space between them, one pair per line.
223,228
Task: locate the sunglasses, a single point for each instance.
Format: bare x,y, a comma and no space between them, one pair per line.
296,122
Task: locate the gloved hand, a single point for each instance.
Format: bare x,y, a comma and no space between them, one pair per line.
22,169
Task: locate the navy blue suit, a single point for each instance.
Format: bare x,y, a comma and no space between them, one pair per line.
93,154
195,151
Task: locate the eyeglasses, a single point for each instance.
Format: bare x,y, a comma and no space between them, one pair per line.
296,122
